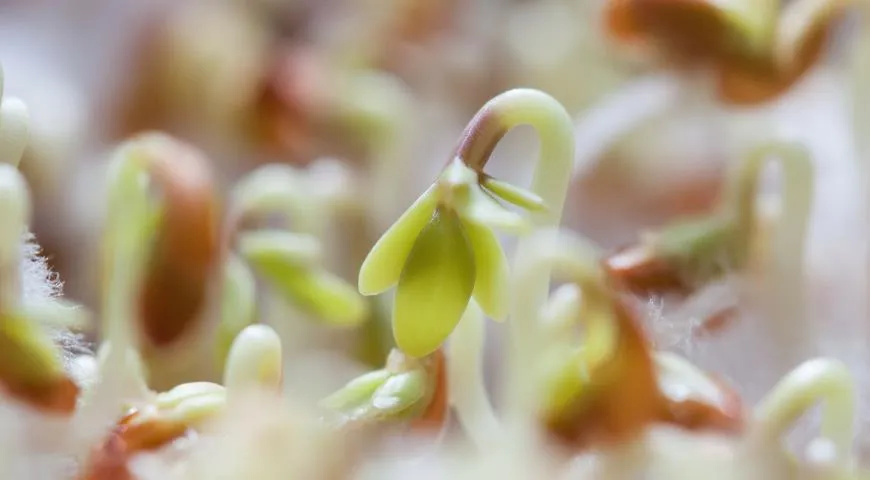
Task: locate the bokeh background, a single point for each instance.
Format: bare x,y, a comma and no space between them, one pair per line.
382,88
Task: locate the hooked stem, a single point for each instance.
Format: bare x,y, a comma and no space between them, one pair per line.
785,252
816,380
550,182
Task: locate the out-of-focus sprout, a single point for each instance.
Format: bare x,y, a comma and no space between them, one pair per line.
31,369
254,362
688,254
612,386
254,359
756,49
442,250
159,255
815,380
407,389
290,262
177,267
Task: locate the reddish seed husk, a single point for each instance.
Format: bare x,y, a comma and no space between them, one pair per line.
186,250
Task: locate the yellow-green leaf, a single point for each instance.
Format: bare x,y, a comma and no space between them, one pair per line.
383,265
491,267
515,195
435,286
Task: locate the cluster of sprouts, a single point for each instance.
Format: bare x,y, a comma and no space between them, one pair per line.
206,302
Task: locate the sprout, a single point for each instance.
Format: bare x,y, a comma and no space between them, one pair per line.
691,253
814,380
185,251
290,262
612,386
442,250
31,368
254,361
405,390
756,48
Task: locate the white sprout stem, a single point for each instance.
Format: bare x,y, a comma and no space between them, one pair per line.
619,114
821,379
465,373
546,250
550,182
15,211
786,248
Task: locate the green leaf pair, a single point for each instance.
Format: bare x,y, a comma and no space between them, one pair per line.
441,252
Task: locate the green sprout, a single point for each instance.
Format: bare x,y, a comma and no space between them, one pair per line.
599,383
693,252
443,251
405,389
607,383
254,362
815,380
291,263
